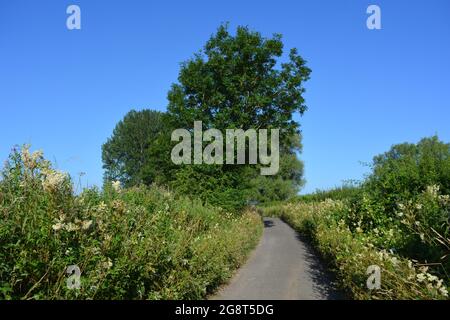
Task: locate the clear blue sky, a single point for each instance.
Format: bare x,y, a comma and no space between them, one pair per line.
63,91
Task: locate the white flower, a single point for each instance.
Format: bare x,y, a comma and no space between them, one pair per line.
433,190
394,261
71,227
53,180
432,278
421,277
107,264
57,226
443,291
116,186
86,224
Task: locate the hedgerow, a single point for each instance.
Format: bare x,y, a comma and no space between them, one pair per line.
138,243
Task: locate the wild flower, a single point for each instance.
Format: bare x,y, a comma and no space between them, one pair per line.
53,180
432,190
421,277
444,199
432,278
71,227
107,264
59,223
57,226
394,261
86,224
116,186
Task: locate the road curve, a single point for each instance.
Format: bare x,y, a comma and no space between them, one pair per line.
282,266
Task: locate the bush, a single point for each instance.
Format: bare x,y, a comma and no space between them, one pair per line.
399,214
406,170
352,252
347,191
138,243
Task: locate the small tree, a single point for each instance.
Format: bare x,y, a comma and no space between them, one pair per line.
125,154
408,169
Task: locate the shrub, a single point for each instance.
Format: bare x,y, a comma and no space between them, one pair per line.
352,252
406,170
346,191
138,243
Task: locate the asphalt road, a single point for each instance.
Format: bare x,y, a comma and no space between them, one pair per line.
283,266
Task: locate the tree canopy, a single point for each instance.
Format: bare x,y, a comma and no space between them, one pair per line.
235,82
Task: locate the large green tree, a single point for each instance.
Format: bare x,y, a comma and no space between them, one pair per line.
234,82
238,81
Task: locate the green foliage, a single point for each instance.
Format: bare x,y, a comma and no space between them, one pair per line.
213,185
136,243
407,169
236,81
403,176
399,213
287,183
125,154
350,251
233,83
347,191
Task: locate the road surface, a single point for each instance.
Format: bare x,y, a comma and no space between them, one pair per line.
283,266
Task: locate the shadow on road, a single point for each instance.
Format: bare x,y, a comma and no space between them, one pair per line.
324,281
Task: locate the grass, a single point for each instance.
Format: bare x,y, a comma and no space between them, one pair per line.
350,253
138,243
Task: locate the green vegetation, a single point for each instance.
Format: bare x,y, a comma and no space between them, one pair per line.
125,154
398,219
163,231
136,243
234,82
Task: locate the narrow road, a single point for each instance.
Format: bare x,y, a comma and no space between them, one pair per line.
282,266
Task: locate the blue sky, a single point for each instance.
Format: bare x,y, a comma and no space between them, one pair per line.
63,91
